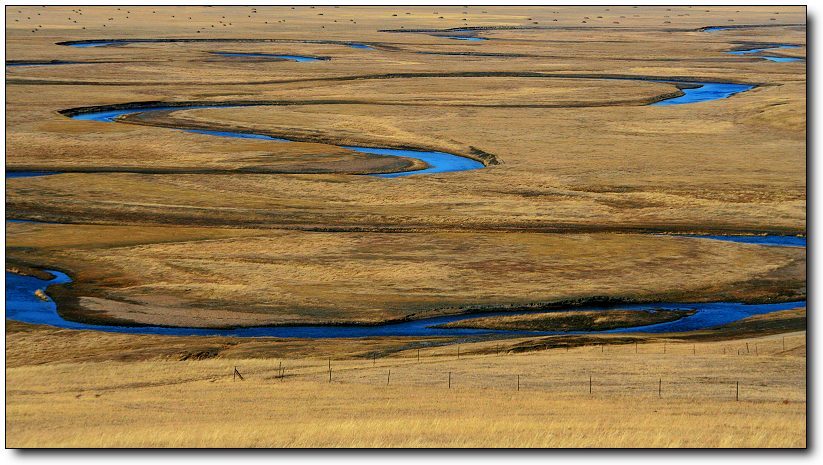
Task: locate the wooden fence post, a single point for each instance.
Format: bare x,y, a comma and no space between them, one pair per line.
590,384
450,380
418,355
388,378
330,370
737,390
518,383
237,374
660,388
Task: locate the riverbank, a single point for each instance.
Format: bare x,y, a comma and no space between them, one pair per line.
206,277
616,168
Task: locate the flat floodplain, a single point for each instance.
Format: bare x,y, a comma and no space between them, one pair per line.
226,167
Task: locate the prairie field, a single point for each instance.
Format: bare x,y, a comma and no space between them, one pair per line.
582,192
683,395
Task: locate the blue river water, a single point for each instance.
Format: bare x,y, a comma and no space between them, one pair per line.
466,38
114,43
778,59
298,58
709,315
237,135
438,162
707,91
28,174
109,116
98,43
51,63
23,305
774,241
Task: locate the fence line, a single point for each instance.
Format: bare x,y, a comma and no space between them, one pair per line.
410,372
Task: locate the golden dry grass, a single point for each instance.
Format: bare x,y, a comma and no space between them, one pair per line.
210,249
196,404
216,277
582,320
732,165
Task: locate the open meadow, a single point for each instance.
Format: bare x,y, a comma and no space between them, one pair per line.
702,394
355,186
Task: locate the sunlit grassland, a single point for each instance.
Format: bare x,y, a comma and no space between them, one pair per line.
680,395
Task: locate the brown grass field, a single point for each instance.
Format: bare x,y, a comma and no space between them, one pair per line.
583,193
680,395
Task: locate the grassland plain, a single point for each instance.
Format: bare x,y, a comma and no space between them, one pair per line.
669,392
160,226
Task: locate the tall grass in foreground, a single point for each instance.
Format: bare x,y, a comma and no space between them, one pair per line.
196,403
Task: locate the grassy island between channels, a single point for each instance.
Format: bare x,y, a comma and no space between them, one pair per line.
575,320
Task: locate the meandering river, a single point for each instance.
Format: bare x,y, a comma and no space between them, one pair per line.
437,162
23,305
